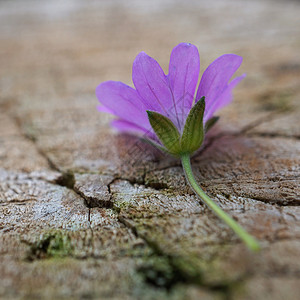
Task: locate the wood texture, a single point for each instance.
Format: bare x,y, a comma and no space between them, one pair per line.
86,213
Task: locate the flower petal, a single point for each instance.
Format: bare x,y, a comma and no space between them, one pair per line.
214,81
125,126
226,97
102,108
152,84
183,76
124,102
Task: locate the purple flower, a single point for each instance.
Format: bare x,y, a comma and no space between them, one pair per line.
163,109
170,95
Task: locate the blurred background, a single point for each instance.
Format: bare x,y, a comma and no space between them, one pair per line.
53,54
50,47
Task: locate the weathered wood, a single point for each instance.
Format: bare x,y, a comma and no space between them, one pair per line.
89,213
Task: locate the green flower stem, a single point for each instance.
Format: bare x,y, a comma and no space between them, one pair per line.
249,240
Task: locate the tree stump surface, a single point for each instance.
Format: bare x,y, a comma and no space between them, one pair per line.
87,213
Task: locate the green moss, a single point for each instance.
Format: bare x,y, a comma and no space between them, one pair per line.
67,179
54,244
118,206
157,271
167,268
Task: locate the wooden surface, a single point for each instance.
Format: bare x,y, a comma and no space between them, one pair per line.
86,214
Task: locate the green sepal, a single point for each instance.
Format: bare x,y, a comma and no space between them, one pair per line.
193,133
210,123
166,132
